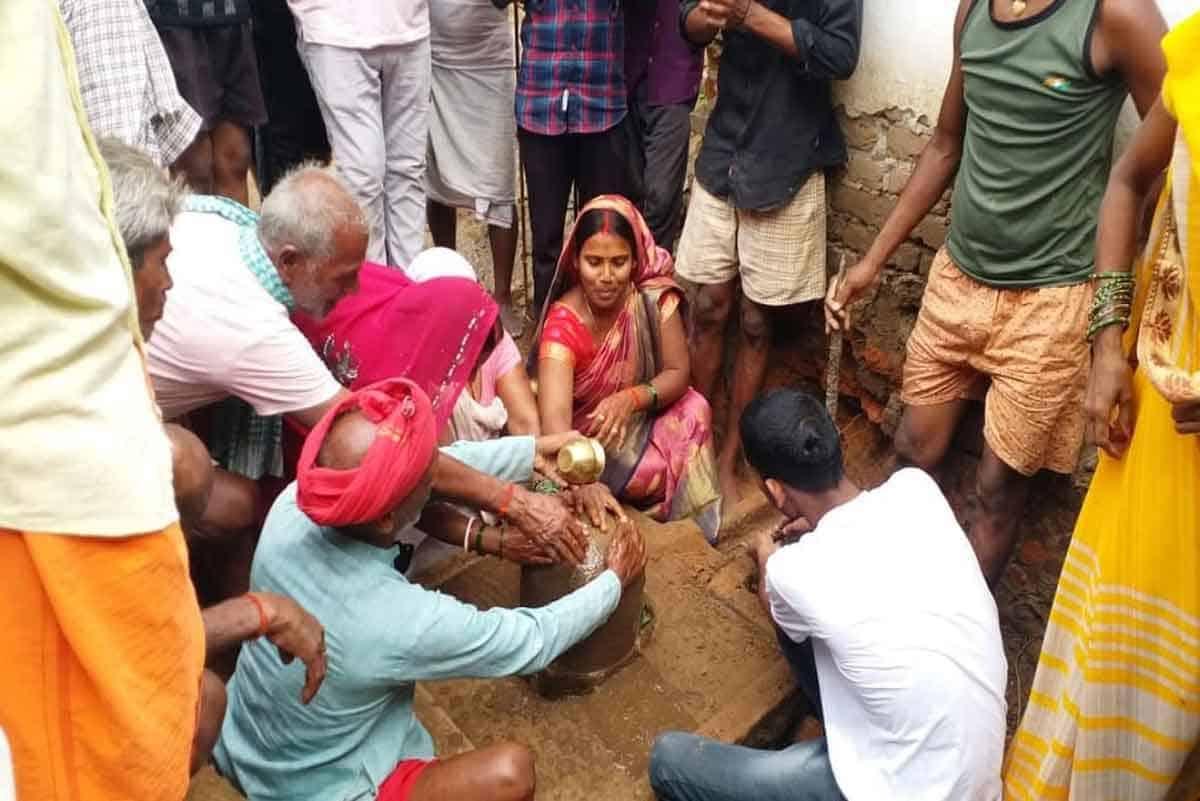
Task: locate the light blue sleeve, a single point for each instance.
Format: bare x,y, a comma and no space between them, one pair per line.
507,458
445,638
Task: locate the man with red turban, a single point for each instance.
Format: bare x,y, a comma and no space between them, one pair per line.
330,542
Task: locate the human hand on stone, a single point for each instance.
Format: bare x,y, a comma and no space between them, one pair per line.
515,546
546,520
627,553
595,501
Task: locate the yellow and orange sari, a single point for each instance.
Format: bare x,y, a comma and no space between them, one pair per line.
1115,706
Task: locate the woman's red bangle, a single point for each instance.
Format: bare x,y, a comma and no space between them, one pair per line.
509,491
263,623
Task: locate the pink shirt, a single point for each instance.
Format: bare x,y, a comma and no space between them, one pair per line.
221,333
503,360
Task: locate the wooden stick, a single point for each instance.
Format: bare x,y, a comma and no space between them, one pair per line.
522,206
833,367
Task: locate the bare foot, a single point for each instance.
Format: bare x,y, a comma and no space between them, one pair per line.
731,493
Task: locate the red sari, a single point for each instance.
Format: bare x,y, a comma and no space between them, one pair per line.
667,465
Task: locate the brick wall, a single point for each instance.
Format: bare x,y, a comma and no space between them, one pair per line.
883,150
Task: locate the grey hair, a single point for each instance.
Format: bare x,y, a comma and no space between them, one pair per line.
145,200
305,209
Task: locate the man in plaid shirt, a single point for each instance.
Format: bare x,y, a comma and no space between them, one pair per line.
125,80
570,116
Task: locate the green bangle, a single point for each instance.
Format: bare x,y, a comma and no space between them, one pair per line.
653,395
1099,325
479,540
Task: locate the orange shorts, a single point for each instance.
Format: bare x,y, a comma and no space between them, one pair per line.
100,664
1024,351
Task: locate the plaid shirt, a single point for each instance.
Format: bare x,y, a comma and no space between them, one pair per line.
125,80
572,77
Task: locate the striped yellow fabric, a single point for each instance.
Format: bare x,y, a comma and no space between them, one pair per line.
1114,710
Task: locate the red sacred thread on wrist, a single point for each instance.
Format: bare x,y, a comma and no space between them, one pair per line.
509,491
263,624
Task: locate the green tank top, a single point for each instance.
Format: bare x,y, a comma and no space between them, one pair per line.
1037,148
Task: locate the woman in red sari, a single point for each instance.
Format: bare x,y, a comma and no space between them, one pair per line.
613,364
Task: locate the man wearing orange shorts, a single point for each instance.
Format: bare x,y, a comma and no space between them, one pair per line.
1027,124
103,644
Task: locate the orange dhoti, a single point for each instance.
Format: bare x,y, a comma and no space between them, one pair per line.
101,652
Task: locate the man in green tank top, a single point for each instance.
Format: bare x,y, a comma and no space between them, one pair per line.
1027,124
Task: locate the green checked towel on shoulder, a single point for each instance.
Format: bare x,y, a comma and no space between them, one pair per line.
241,441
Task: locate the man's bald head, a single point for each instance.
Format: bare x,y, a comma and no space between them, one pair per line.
316,235
347,442
344,448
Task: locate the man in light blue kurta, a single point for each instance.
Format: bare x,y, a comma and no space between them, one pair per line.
383,634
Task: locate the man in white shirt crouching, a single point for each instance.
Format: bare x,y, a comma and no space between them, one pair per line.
886,596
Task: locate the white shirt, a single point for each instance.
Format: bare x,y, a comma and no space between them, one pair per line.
360,24
222,334
907,643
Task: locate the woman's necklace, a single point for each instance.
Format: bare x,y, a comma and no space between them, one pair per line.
1018,7
599,331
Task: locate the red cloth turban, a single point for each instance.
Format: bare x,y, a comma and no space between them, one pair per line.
404,447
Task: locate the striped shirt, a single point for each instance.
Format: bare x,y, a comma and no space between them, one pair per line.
572,77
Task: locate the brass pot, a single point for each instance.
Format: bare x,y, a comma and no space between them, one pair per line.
581,461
